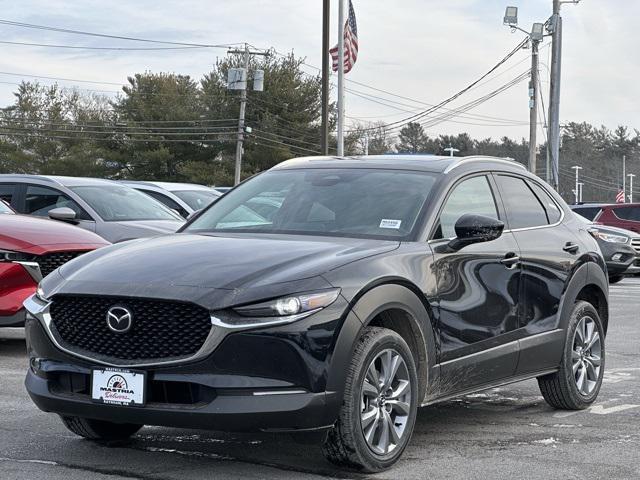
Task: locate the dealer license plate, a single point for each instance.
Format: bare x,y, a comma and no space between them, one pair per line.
118,387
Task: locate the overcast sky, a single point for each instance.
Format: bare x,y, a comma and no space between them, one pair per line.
425,50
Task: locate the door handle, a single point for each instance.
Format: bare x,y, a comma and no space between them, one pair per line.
510,260
571,248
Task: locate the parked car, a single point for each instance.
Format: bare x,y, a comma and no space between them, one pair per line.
184,198
620,249
30,249
4,208
113,211
621,215
379,285
588,210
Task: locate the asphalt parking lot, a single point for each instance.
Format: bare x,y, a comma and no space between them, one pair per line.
505,433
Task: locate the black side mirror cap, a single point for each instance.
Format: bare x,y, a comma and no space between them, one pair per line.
471,229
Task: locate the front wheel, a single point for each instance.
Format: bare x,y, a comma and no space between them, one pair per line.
577,383
380,404
100,430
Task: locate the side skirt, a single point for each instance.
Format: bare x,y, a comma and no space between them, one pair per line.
488,386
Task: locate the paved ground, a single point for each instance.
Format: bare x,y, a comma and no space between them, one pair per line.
506,433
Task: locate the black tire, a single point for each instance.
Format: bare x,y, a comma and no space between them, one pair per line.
560,389
100,430
615,279
345,444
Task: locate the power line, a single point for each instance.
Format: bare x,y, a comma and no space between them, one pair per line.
59,78
453,97
81,47
117,37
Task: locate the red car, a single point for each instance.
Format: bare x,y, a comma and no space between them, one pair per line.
622,215
30,249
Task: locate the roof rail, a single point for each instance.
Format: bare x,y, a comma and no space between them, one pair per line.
479,158
43,178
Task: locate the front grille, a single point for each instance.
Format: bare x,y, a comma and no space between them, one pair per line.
635,243
160,330
49,262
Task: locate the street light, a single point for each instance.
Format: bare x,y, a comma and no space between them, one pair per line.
537,32
511,16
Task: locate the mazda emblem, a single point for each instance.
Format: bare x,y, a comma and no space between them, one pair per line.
119,319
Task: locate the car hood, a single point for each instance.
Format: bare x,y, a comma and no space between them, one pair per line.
186,266
130,230
38,235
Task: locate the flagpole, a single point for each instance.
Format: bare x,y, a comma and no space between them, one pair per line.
340,78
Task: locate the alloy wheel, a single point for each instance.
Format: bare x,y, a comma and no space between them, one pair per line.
586,357
385,402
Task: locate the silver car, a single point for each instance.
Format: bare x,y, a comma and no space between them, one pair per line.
115,212
184,198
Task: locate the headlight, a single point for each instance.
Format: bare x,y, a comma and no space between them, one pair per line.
294,305
610,237
40,294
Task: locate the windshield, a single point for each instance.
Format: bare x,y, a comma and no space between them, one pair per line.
4,208
197,199
335,202
114,203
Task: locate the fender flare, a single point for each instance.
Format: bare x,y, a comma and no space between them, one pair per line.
587,275
378,299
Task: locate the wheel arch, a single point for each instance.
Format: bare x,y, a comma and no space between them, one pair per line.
589,283
398,305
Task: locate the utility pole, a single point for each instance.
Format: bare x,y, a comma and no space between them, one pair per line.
341,78
326,28
451,150
241,84
581,188
533,109
624,177
554,92
577,190
554,102
631,177
535,36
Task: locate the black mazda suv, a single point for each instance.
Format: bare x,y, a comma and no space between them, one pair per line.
333,295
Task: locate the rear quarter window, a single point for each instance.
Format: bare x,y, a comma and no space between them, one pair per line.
628,213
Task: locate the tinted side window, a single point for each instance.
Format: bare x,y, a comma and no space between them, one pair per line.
589,213
39,200
471,196
524,210
7,191
551,207
628,213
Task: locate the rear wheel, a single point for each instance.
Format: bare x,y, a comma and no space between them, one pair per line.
577,384
380,403
100,430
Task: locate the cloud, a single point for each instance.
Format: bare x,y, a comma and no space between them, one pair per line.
423,49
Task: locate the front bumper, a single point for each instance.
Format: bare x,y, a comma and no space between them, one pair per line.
627,263
275,379
15,320
237,411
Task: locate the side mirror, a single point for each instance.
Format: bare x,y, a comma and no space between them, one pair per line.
472,229
64,214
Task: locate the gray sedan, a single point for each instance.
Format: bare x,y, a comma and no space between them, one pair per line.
184,198
113,211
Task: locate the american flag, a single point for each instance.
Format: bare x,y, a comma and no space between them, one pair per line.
350,43
620,197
